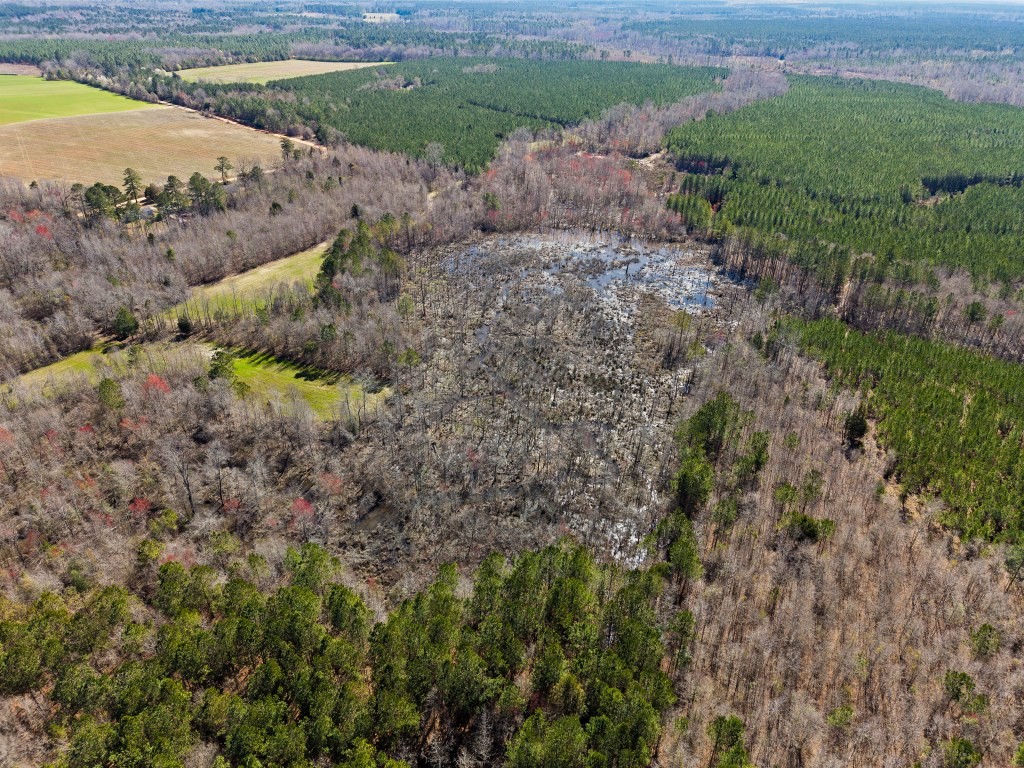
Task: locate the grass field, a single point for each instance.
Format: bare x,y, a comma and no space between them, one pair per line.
266,379
33,98
240,291
282,383
110,360
265,71
155,142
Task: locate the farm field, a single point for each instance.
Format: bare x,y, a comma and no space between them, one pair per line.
239,291
25,98
156,142
265,71
7,68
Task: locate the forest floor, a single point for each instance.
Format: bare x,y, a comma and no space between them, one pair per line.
545,403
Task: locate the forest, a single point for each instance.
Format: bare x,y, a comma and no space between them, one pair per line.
608,385
846,163
555,655
953,418
468,105
779,35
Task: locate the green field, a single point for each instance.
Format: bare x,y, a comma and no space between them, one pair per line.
264,71
110,360
25,98
271,380
238,293
266,379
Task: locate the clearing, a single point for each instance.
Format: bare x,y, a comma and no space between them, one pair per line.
110,360
268,379
156,142
265,71
240,291
264,379
24,98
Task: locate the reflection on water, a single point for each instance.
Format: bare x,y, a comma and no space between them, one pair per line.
608,269
609,263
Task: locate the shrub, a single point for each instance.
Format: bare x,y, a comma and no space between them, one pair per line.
125,323
960,753
985,640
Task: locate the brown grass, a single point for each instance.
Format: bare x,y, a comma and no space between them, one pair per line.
7,68
155,142
265,71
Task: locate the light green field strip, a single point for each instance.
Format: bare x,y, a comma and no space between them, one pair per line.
266,379
110,360
269,379
265,71
25,98
241,292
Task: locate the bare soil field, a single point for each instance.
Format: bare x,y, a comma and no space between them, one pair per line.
265,71
155,142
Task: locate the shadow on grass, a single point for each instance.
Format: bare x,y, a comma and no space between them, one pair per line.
304,372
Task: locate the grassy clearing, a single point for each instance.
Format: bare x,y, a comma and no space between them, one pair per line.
83,364
110,360
155,142
241,292
271,380
266,379
25,98
265,71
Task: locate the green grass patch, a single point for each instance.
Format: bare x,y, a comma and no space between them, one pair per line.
273,380
24,98
243,292
77,365
266,379
109,360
